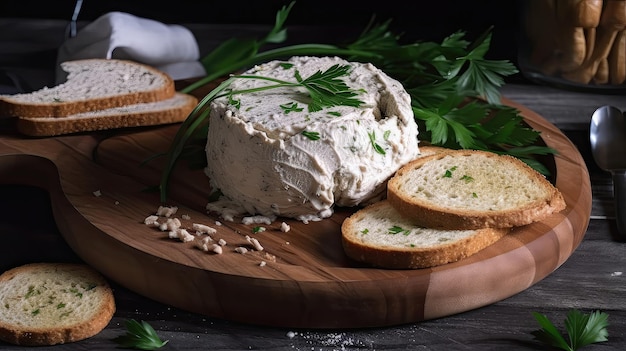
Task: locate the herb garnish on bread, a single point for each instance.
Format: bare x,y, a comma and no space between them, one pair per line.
469,189
379,235
53,303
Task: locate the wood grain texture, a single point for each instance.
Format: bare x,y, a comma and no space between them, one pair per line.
311,283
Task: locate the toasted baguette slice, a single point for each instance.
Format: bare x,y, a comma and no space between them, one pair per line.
381,236
467,189
92,84
172,110
53,303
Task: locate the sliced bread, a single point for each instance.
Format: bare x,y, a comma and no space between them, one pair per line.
381,236
171,110
53,303
92,84
468,189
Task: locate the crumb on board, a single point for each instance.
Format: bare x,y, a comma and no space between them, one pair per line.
203,236
166,211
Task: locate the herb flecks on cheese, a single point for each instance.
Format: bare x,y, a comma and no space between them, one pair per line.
276,160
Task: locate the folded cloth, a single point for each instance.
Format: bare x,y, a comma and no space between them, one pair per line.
170,48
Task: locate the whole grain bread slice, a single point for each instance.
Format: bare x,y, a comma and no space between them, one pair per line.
92,84
172,110
53,303
381,236
469,189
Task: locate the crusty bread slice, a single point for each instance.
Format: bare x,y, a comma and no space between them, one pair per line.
92,84
172,110
468,189
53,303
381,236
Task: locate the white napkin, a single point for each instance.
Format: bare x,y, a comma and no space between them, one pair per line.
118,35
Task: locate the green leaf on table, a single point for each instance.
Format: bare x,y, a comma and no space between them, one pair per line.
582,329
140,335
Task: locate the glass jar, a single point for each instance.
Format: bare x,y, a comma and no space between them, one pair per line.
574,43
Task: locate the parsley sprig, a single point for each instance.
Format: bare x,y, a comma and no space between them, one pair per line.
454,88
140,335
582,329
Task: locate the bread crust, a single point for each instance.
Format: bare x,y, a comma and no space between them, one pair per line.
412,257
22,334
39,127
10,107
433,215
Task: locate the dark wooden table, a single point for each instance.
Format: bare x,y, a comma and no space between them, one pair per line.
591,279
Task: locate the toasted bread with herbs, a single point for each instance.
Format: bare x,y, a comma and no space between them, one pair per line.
469,189
53,303
380,236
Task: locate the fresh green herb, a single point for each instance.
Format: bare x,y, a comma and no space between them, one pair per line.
258,229
140,335
60,305
454,89
76,292
397,229
233,102
474,195
365,231
291,107
31,291
311,135
327,89
375,145
286,65
386,135
35,312
467,178
334,113
448,173
582,329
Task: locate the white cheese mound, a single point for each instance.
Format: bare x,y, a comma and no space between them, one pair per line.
258,157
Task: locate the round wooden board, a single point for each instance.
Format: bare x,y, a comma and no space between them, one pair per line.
101,193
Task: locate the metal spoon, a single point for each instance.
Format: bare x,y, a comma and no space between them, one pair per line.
607,135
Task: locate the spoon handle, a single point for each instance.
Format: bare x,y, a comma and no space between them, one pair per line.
619,192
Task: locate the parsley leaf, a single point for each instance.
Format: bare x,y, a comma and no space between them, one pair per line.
291,107
140,335
327,89
379,149
397,229
582,329
311,135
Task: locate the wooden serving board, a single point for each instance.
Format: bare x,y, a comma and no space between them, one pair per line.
307,281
